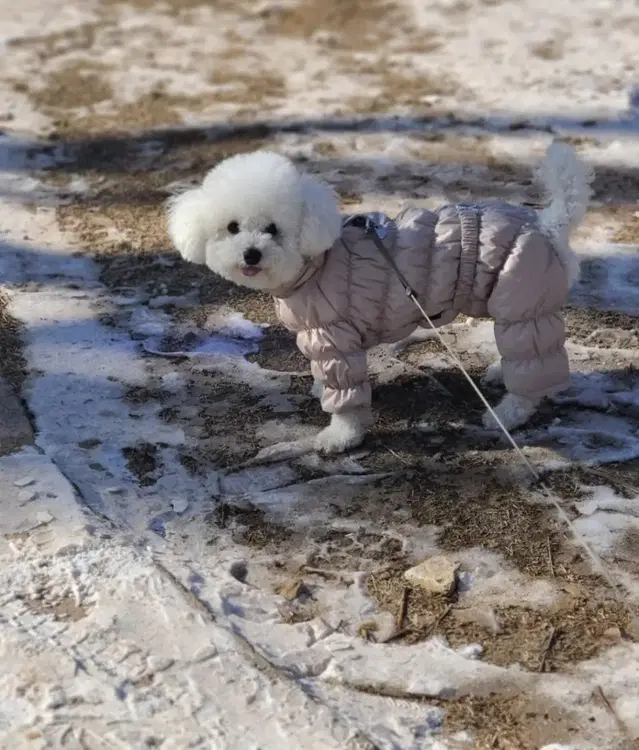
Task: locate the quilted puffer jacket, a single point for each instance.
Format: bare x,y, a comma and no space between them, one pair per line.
484,260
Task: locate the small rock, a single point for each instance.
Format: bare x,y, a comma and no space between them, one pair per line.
612,634
437,575
292,589
180,504
472,651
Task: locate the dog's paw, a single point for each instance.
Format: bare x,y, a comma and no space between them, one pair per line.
493,375
513,411
342,434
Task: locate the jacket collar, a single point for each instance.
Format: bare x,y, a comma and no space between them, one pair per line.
384,227
313,266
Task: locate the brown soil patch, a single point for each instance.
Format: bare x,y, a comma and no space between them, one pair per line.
153,110
351,23
160,109
550,49
582,324
629,232
63,608
142,461
392,89
278,350
230,438
77,84
582,624
133,202
242,87
13,363
248,526
498,723
476,510
173,7
76,39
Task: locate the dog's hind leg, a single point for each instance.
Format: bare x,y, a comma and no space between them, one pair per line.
513,411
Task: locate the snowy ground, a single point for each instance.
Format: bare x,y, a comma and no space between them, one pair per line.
154,592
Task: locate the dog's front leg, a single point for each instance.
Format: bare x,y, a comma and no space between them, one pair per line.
339,367
513,411
346,430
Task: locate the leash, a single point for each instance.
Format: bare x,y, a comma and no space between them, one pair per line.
378,233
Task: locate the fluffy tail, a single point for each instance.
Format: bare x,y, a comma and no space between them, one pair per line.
566,180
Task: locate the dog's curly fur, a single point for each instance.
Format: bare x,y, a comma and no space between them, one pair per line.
257,220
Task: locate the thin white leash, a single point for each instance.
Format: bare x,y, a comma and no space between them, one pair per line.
377,233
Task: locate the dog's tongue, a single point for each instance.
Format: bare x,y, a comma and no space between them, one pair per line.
250,271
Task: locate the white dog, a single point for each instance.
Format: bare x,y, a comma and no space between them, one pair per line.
258,221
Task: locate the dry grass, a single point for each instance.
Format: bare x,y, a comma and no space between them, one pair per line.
390,90
132,202
353,24
241,87
502,723
47,46
172,7
582,624
76,85
628,234
387,83
142,461
64,608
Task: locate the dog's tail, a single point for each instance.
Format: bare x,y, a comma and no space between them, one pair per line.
566,181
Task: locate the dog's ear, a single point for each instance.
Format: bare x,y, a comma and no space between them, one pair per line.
321,221
186,220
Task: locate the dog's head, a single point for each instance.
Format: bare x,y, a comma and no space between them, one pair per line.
256,220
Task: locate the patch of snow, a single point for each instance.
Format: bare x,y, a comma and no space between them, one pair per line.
609,278
487,578
235,325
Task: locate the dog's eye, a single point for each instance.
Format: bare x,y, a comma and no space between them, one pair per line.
271,229
233,227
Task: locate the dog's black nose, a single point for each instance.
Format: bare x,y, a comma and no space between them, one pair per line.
252,256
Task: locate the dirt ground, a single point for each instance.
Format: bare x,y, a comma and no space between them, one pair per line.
119,154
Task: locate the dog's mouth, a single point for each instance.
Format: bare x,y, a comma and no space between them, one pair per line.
251,270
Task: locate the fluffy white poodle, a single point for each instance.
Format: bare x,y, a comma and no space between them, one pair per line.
260,222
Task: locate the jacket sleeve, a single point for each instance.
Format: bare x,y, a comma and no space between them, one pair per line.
338,361
529,325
